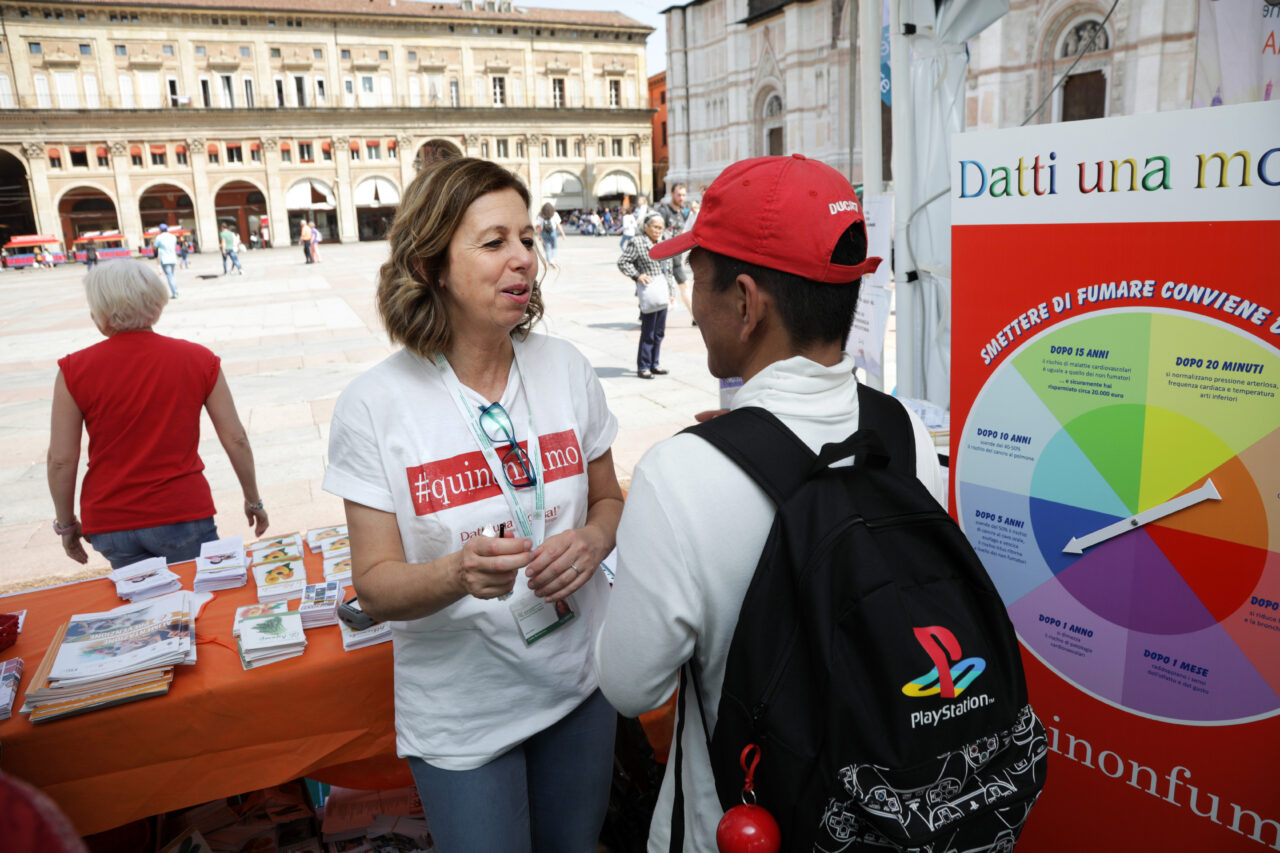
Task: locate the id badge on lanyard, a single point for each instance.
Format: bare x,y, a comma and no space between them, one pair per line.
534,617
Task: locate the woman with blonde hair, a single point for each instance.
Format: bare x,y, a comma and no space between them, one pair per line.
139,396
478,425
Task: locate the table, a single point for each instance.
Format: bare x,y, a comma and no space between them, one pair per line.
220,731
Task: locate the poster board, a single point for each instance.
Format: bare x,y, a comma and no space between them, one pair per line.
1116,398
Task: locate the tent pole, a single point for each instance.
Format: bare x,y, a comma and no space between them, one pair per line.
869,25
906,291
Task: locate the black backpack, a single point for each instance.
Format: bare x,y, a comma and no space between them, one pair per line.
865,592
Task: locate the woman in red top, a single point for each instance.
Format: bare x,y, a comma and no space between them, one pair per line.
139,396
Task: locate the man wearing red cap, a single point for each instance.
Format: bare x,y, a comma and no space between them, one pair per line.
777,251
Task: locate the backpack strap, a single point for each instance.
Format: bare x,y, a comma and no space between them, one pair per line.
888,418
762,446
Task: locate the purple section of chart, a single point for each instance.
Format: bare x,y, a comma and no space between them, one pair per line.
1201,675
1071,639
1129,581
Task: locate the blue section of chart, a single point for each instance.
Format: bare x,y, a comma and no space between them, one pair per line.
1066,476
1056,523
1006,550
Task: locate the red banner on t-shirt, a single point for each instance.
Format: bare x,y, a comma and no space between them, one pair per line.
466,478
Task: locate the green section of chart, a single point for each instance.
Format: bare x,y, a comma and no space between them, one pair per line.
1177,452
1112,439
1229,382
1084,366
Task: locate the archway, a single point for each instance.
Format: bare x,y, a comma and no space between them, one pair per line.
433,150
243,204
313,200
86,208
771,119
17,215
614,187
564,191
167,203
376,200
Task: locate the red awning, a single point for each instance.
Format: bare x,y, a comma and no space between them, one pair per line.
180,148
102,151
231,145
373,143
284,146
55,154
355,145
391,143
135,151
326,146
77,149
31,240
212,149
255,146
159,149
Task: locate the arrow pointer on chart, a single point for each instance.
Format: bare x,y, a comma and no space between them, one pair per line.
1207,492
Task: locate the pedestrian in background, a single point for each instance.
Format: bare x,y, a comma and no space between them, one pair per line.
229,240
167,255
91,256
304,237
550,228
184,249
315,242
628,228
654,291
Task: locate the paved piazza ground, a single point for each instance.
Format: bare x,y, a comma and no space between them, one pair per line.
291,337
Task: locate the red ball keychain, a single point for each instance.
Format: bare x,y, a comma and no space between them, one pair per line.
748,828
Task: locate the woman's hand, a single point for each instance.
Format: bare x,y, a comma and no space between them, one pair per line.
643,278
487,566
72,545
256,515
564,563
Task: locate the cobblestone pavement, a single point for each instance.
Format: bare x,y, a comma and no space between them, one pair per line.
291,337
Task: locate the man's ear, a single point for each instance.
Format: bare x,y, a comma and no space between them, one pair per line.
753,306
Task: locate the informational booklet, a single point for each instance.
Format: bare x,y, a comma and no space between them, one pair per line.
145,579
276,554
318,534
338,569
221,565
10,675
278,542
379,633
250,610
320,604
271,638
127,639
337,546
280,581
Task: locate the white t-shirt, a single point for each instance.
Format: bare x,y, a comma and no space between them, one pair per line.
166,248
549,226
628,225
467,688
691,534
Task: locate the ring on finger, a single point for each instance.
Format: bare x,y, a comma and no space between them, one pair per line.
576,570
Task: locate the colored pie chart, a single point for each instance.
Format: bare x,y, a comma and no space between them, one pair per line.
1119,476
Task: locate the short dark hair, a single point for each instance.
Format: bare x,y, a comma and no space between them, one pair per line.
812,311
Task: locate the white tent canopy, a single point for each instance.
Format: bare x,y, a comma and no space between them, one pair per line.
563,190
374,192
309,194
616,183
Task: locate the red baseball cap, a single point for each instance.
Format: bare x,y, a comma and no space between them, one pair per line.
784,213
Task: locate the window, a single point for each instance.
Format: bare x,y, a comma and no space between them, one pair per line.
557,92
355,151
375,152
415,91
213,155
104,160
157,157
35,47
235,154
616,147
205,97
454,98
600,148
499,85
275,53
326,152
544,148
562,147
286,156
126,91
228,91
577,148
346,54
173,91
484,149
391,150
502,148
136,159
255,153
90,91
413,56
664,134
248,93
80,158
519,148
167,49
305,152
68,95
383,55
244,52
279,92
200,50
86,50
387,97
320,91
300,89
662,97
366,84
121,50
615,93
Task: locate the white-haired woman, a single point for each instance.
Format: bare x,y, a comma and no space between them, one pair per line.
139,395
636,265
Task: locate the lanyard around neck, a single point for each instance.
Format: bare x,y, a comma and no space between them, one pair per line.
532,525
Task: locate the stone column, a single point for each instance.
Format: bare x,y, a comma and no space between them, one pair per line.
205,209
126,205
405,156
589,173
646,165
46,213
533,151
344,192
277,207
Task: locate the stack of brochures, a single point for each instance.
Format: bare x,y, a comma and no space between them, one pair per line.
320,604
100,659
221,565
338,569
379,633
271,638
10,675
251,610
319,534
276,550
280,581
145,579
336,546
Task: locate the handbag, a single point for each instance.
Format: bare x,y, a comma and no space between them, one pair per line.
653,294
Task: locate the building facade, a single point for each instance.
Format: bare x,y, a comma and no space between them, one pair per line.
658,103
747,78
268,112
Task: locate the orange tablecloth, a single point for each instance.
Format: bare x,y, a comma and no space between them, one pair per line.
220,730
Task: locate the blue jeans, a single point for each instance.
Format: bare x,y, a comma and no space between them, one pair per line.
653,328
235,259
168,273
547,795
174,542
549,244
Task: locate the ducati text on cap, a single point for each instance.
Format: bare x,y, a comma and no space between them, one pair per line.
837,206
